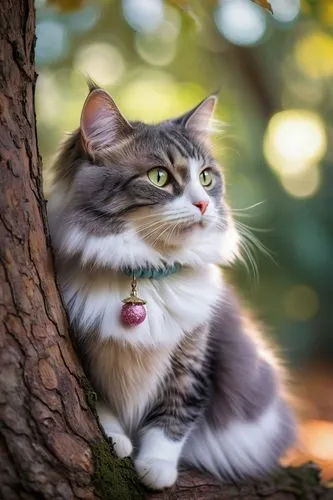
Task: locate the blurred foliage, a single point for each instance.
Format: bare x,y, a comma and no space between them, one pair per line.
275,74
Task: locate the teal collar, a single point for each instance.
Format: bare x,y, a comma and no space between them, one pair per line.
153,273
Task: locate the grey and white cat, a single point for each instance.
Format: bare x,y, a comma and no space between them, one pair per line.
194,382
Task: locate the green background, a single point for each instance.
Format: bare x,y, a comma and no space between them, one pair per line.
276,148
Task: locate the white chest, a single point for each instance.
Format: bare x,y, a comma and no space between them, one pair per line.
175,305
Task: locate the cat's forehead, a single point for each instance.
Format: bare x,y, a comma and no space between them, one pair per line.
169,145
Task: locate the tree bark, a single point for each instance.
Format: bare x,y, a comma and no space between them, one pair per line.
51,446
298,483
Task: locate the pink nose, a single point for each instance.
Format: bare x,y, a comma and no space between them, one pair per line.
202,206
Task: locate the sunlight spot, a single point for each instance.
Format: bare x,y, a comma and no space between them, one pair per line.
285,11
294,141
155,50
313,54
48,98
84,19
144,15
303,185
240,21
52,41
153,95
102,62
318,438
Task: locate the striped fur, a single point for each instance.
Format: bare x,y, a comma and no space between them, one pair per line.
194,382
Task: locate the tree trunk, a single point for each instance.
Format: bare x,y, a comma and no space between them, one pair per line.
49,435
51,446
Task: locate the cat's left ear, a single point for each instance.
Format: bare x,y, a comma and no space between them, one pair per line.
198,119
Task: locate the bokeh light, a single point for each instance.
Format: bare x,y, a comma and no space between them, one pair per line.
314,54
240,21
84,19
285,11
294,141
303,185
52,41
159,47
144,16
102,61
48,98
155,50
150,96
301,303
325,12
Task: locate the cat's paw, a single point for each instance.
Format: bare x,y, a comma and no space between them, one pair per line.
156,473
121,445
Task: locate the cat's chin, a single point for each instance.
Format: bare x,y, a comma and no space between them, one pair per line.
191,228
188,235
186,231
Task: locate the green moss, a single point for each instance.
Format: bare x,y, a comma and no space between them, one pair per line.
113,478
305,476
90,394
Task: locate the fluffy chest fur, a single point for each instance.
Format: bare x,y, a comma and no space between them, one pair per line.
127,377
176,305
128,365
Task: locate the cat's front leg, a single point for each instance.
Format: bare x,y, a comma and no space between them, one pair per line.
157,461
171,419
113,429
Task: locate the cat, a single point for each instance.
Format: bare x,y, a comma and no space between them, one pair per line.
194,382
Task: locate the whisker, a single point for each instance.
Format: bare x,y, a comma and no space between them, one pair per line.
256,229
159,214
249,262
243,231
250,207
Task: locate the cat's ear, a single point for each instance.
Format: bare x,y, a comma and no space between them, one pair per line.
198,119
102,125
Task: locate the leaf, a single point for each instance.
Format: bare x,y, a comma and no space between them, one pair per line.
265,4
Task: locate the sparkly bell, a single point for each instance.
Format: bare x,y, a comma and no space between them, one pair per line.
133,312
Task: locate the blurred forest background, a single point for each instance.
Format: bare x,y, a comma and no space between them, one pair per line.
275,75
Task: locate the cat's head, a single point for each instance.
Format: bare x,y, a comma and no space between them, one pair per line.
133,194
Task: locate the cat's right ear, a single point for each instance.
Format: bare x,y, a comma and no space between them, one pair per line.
102,125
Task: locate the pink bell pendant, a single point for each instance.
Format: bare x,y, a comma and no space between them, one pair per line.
133,311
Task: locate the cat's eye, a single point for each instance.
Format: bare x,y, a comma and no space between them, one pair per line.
206,178
158,176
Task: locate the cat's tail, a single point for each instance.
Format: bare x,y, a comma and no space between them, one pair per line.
243,447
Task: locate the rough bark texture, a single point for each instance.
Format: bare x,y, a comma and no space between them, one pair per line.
299,483
50,443
49,436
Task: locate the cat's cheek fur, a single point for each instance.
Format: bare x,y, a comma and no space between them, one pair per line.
157,461
115,250
127,249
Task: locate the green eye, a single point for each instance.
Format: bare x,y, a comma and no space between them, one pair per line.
206,178
158,176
